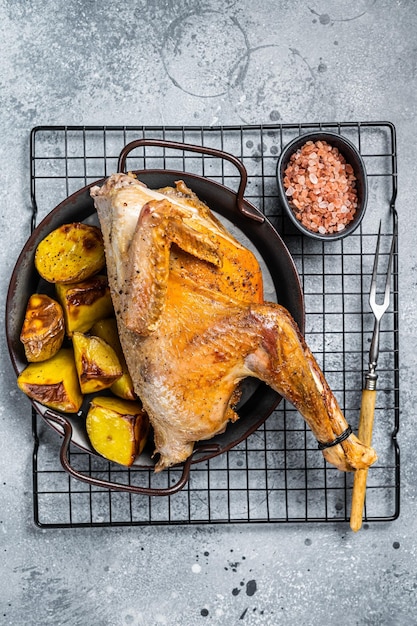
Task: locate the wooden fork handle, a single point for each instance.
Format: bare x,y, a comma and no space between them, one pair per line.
366,423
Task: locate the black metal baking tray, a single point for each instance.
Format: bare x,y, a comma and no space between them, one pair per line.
276,474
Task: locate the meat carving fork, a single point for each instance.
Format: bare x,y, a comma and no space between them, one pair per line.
366,418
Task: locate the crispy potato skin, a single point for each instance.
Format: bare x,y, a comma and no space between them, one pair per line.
53,382
84,303
107,330
97,364
70,253
117,429
43,328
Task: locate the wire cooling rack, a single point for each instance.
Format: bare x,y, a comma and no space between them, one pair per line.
276,474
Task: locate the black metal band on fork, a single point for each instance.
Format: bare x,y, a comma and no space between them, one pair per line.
345,434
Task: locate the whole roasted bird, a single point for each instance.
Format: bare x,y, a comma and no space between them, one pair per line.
189,303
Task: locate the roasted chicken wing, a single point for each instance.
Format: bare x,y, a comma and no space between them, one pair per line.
192,320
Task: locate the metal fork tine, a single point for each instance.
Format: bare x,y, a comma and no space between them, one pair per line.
390,264
372,293
379,309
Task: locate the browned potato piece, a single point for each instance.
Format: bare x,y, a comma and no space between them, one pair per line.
96,362
43,328
84,303
107,330
53,382
70,253
117,428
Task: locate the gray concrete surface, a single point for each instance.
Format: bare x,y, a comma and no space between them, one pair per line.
167,62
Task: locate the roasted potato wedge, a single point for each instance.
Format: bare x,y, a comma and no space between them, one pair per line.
70,253
96,362
117,429
84,303
53,382
43,328
107,330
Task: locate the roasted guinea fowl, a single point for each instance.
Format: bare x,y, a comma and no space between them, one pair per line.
189,303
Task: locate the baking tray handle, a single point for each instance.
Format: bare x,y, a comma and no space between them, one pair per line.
108,484
176,145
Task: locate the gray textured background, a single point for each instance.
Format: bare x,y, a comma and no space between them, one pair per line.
166,62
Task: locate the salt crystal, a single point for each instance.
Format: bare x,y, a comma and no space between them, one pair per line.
289,191
313,178
322,230
340,227
344,209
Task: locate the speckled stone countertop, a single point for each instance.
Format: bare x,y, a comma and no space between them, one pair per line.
175,63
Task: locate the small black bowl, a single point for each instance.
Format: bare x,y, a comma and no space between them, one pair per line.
352,156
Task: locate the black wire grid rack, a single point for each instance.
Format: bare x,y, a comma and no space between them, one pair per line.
276,474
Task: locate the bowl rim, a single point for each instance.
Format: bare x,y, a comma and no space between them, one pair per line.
359,166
